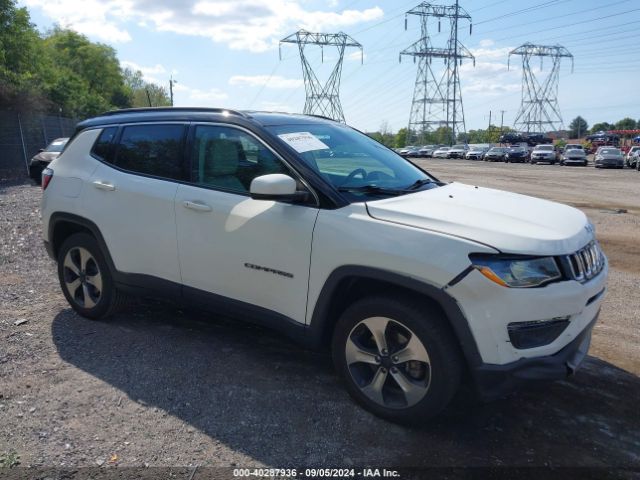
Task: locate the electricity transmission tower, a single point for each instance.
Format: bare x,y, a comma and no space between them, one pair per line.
322,99
539,110
437,99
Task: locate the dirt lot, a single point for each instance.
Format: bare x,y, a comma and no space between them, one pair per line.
161,387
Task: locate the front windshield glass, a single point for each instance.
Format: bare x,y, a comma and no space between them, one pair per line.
351,161
610,151
497,150
545,148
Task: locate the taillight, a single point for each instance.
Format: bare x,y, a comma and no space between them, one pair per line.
47,175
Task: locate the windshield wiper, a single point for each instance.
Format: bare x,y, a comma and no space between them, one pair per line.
372,189
418,183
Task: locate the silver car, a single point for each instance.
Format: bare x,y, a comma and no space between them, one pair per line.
442,152
574,156
609,157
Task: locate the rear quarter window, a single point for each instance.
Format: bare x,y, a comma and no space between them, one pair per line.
103,148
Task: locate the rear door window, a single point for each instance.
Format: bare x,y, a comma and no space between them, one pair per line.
155,150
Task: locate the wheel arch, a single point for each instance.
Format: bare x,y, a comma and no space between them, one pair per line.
348,283
62,225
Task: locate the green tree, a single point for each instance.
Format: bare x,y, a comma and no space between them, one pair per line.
626,124
401,138
144,94
602,127
86,78
578,127
442,135
20,54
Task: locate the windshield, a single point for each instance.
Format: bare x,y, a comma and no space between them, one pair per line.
545,148
56,145
497,150
610,151
459,147
351,161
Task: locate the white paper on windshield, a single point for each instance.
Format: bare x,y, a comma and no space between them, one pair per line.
303,141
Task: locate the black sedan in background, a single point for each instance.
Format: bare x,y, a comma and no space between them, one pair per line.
43,158
517,154
495,154
609,158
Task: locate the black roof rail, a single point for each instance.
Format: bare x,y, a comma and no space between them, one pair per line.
172,109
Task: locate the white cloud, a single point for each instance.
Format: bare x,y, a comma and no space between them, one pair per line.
254,25
186,96
491,53
490,76
94,18
146,71
274,81
487,42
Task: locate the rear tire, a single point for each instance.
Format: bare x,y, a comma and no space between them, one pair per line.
409,376
85,278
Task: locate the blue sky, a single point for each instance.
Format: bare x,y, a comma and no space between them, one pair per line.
225,52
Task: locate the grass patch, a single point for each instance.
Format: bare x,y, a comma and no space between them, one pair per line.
9,460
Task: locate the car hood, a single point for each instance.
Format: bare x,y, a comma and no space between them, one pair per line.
508,222
542,152
610,157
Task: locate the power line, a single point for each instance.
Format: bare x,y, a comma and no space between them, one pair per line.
524,10
568,24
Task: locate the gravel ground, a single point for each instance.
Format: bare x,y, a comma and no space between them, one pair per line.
159,386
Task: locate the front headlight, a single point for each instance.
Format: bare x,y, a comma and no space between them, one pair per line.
517,272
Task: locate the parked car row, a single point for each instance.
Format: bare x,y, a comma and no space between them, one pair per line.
570,154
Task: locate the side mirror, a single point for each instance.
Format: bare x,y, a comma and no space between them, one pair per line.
40,150
277,187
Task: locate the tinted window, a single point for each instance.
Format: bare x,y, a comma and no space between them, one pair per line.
229,159
103,147
153,150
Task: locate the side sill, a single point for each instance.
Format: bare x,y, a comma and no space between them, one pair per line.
146,285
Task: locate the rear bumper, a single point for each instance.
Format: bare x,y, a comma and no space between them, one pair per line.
493,381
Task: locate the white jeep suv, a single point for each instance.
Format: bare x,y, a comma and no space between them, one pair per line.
312,228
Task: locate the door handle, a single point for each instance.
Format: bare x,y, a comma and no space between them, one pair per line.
104,186
198,206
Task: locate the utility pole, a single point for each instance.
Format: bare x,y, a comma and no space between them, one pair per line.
171,83
489,127
539,108
322,99
501,120
437,100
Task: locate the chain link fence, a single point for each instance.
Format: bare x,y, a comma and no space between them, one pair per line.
22,135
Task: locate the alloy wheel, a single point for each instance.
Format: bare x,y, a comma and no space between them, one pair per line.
388,362
82,277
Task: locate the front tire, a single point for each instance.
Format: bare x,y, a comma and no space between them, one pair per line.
397,358
85,278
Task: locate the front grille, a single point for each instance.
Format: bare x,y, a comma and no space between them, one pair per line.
586,263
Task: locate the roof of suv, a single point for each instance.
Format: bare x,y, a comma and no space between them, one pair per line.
199,114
